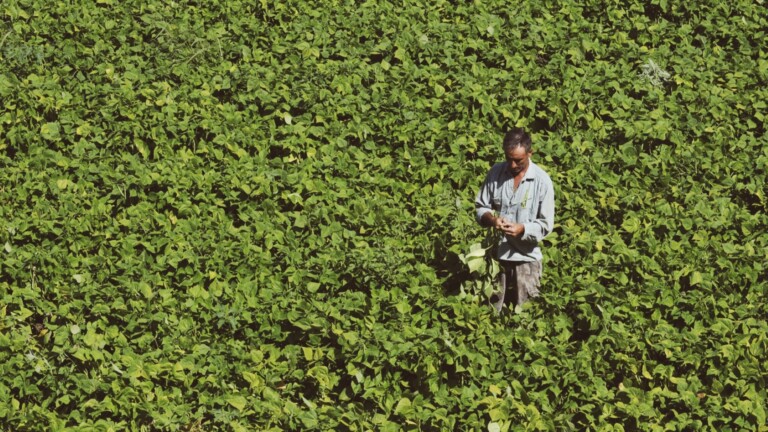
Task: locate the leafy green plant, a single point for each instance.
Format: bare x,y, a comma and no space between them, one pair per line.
258,215
483,267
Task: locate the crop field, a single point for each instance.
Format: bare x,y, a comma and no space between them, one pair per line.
259,215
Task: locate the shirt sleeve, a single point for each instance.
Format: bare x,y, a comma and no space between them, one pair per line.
484,199
545,216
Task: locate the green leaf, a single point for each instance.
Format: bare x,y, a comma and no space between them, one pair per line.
6,86
631,224
23,313
84,129
696,278
308,353
50,131
403,407
758,410
237,401
476,250
476,265
141,147
146,290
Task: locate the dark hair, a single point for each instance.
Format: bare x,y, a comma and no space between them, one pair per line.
517,137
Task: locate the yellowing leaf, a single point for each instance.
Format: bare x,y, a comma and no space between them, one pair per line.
62,183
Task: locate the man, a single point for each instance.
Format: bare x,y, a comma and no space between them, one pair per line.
518,199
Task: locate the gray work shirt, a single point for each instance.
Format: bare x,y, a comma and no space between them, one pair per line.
532,204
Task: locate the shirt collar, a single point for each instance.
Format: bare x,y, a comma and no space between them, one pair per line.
529,173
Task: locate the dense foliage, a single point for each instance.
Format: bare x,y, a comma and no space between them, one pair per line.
237,215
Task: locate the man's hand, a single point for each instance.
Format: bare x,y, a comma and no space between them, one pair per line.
509,228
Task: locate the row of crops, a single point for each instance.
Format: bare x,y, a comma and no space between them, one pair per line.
259,215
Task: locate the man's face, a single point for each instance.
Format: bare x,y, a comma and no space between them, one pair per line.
518,159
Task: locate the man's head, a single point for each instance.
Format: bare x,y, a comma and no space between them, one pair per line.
517,149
